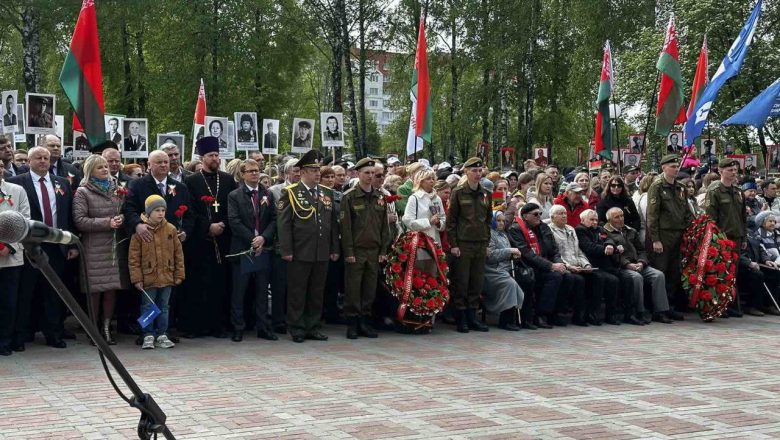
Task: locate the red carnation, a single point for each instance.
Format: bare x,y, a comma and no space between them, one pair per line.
417,301
721,288
395,267
730,243
706,295
431,304
444,291
418,282
711,280
729,278
439,252
708,265
692,279
720,267
398,284
407,247
403,257
712,252
433,283
207,199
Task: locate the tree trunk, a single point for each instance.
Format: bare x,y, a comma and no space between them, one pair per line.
485,106
337,48
214,91
362,73
139,47
127,100
350,85
450,153
31,52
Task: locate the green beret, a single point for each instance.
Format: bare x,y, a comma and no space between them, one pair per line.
670,158
473,162
364,162
728,162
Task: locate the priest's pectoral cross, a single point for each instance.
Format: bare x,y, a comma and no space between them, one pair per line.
215,205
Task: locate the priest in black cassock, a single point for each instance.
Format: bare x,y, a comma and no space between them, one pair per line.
205,304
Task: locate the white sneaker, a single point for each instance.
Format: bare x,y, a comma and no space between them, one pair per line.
164,342
148,343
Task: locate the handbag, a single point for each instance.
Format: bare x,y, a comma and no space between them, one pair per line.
524,274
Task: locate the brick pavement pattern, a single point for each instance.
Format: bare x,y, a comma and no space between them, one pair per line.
687,380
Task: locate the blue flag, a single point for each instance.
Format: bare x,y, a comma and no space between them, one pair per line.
728,69
146,319
759,109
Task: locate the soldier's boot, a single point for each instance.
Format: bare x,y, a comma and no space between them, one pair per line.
460,321
352,328
474,323
365,329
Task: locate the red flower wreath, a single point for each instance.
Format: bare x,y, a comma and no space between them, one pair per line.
709,263
427,294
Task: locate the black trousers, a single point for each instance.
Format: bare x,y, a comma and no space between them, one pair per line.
9,279
241,281
751,287
548,284
334,289
306,282
278,291
602,286
35,288
571,293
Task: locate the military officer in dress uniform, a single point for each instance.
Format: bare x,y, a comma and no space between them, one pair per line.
365,237
468,231
724,204
667,217
308,236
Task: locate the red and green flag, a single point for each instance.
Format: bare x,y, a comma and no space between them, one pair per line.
671,108
603,136
82,76
701,79
420,93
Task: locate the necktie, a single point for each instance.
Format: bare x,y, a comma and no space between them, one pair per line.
313,192
161,186
256,210
46,203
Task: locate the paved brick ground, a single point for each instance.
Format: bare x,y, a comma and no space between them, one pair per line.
687,380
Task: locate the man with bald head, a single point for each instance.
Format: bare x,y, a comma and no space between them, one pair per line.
50,200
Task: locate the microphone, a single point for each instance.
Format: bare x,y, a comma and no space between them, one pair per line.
14,228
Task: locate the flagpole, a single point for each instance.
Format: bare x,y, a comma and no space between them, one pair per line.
654,153
617,136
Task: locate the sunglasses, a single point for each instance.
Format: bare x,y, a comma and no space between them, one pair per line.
535,214
616,185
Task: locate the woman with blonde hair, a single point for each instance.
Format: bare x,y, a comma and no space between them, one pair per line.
424,212
96,213
583,180
640,200
544,194
234,169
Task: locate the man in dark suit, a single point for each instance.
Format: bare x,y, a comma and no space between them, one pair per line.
270,139
7,157
50,202
308,238
252,220
59,166
134,141
113,134
178,173
9,118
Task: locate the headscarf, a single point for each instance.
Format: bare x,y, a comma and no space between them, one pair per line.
494,221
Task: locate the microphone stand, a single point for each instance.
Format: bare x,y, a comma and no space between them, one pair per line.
152,417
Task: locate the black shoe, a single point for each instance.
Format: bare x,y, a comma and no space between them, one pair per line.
507,320
188,335
352,328
579,321
593,320
67,334
5,351
267,335
316,336
528,326
238,336
752,311
474,323
18,347
460,321
675,315
364,329
630,319
541,322
662,318
645,318
56,343
734,313
173,338
298,338
557,320
772,311
612,321
280,329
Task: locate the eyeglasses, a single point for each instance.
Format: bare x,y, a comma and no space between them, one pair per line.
615,185
535,214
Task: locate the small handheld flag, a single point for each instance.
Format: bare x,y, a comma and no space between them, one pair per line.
146,319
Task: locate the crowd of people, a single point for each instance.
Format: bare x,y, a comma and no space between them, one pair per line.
279,246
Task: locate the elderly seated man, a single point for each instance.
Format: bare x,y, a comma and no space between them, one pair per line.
635,270
604,282
576,263
538,250
574,203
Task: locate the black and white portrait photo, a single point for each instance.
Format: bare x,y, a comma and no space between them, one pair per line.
332,125
218,127
674,142
270,136
59,127
114,130
507,158
197,133
302,130
636,143
631,159
170,138
708,148
80,145
136,138
40,113
246,137
8,111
